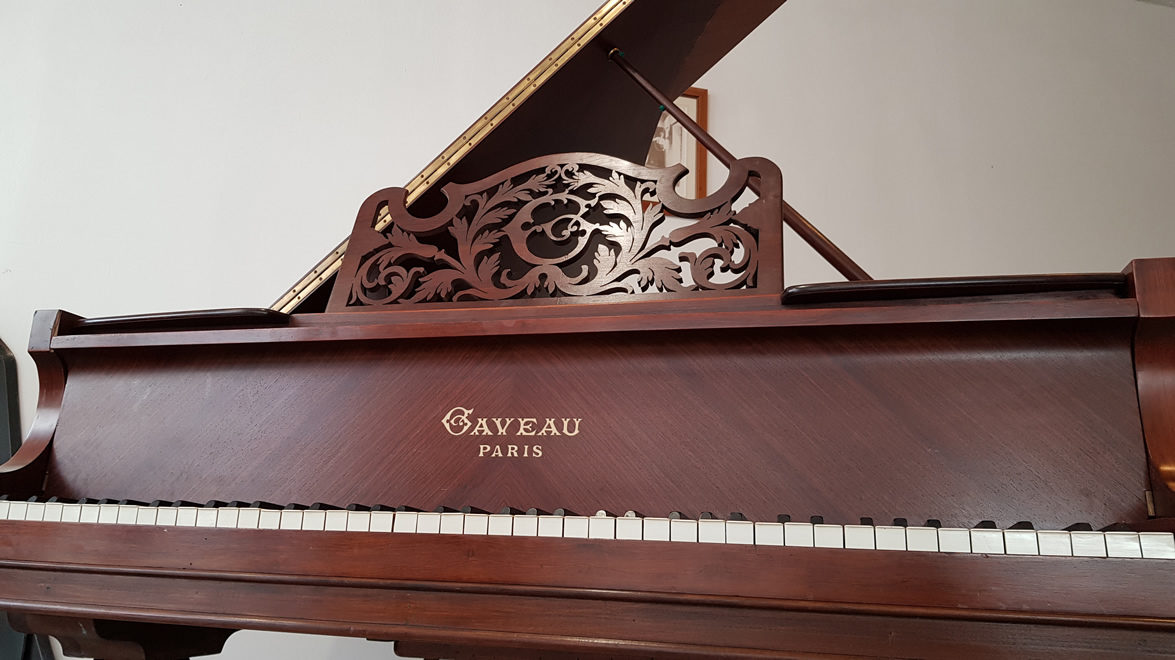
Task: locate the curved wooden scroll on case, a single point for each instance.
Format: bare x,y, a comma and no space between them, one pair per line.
567,226
1152,283
24,474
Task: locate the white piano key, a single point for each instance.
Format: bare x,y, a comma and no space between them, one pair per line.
477,523
248,518
166,516
405,522
1123,544
146,515
1088,544
630,529
452,523
206,517
828,536
601,527
987,541
1157,545
551,526
358,521
798,535
314,520
35,511
17,510
683,529
860,537
267,519
71,513
890,537
128,514
711,531
53,511
336,520
922,539
107,514
290,518
526,525
954,539
575,527
656,529
89,513
428,523
740,532
1055,543
1021,542
382,521
768,533
228,517
501,524
185,516
4,504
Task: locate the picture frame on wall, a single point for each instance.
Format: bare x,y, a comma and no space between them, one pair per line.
672,144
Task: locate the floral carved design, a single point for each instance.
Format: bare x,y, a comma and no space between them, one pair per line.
557,227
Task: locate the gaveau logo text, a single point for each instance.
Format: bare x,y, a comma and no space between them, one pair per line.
460,421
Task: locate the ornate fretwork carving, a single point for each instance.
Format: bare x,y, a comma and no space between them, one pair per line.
567,225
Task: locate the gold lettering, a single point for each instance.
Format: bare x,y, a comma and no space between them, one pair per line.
497,452
576,431
502,428
526,451
538,451
481,428
511,451
526,426
549,425
482,449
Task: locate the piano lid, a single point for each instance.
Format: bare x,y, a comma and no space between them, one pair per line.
576,100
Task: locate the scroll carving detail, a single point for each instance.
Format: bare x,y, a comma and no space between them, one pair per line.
570,225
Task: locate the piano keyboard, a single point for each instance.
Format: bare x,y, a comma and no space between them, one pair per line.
987,539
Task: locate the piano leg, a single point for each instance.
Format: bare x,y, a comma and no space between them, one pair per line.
123,640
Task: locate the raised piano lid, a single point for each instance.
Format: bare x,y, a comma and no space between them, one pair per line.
576,100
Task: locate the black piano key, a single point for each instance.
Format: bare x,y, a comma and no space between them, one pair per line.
383,507
736,515
159,503
186,503
677,515
563,512
934,522
1079,527
783,518
867,521
403,508
707,515
532,511
1117,527
901,522
986,524
214,504
294,506
104,500
816,520
238,504
1023,524
264,505
510,511
322,506
87,500
358,507
633,514
472,509
444,509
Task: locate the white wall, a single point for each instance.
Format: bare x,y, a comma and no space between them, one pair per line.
195,154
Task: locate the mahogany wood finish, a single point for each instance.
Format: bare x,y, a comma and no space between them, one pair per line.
1152,282
1016,404
566,225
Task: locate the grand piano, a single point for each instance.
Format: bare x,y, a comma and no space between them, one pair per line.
541,405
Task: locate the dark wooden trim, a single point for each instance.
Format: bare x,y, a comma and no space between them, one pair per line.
188,320
123,640
1152,283
951,287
